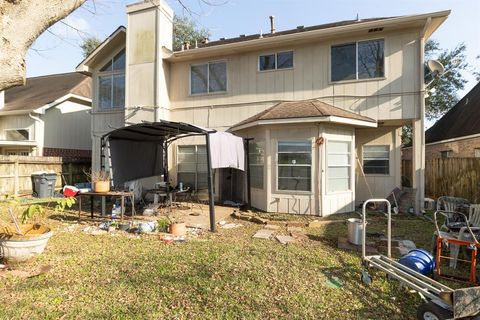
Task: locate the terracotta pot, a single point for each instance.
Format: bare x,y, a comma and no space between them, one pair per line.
178,229
101,186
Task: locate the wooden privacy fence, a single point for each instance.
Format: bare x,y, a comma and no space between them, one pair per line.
458,177
15,171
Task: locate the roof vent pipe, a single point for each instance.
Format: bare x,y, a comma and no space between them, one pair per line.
272,24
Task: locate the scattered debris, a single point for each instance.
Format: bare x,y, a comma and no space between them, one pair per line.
222,222
272,226
299,236
295,229
170,239
231,226
70,228
334,282
263,234
195,214
285,239
93,230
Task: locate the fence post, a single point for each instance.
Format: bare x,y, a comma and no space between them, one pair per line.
16,177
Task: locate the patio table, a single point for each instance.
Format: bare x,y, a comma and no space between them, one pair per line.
121,194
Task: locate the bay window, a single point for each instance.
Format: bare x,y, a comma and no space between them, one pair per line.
256,154
294,165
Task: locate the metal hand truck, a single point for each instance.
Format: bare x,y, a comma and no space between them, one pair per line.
441,302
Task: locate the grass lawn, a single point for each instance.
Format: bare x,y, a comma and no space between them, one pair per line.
226,275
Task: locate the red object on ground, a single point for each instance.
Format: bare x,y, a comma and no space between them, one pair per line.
70,191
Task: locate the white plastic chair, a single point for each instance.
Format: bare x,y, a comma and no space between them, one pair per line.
474,215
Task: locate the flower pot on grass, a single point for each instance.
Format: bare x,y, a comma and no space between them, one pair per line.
178,229
22,247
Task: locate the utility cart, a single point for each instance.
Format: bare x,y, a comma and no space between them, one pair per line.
441,302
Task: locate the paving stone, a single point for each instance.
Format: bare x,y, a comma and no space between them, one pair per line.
295,229
272,226
263,234
285,239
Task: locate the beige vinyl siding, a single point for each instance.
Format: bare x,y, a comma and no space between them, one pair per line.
379,184
67,130
308,79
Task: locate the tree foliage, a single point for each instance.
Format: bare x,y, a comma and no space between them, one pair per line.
89,44
445,88
445,96
186,30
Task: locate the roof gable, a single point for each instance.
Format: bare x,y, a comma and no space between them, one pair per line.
461,120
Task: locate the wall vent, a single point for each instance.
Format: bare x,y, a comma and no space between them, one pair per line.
375,29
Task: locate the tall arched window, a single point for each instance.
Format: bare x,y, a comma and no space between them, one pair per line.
111,83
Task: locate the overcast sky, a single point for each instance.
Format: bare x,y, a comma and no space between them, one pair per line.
57,50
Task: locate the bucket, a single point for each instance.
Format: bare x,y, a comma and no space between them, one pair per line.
101,186
355,228
419,260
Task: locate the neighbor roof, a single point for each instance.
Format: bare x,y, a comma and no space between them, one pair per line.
41,91
302,109
462,120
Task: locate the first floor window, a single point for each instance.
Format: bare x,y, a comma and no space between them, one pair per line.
17,134
208,78
294,165
358,60
476,153
339,162
192,166
376,159
445,154
256,154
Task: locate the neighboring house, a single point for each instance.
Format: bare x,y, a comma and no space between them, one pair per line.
324,104
48,116
457,133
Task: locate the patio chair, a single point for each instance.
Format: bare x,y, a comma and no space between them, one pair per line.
474,215
450,207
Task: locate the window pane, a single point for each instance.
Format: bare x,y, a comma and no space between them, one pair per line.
338,172
267,62
256,152
294,158
343,62
188,179
294,184
294,172
256,177
107,67
376,166
217,77
371,59
187,167
105,92
119,61
202,181
17,135
199,80
337,185
285,60
339,147
294,146
119,91
338,159
186,149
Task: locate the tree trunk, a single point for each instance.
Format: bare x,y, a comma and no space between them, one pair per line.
21,22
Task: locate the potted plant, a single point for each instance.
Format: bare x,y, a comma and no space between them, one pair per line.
21,241
177,228
100,181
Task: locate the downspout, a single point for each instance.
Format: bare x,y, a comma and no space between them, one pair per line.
37,135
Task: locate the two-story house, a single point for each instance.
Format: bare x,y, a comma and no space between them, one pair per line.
324,104
48,116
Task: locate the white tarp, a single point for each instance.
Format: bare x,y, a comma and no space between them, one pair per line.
227,151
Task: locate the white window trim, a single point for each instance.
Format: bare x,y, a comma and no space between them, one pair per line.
276,61
330,81
208,78
111,74
389,174
258,165
301,192
350,165
12,129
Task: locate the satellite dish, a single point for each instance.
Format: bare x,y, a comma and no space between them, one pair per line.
433,69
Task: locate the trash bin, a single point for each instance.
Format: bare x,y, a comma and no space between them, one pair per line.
355,228
43,184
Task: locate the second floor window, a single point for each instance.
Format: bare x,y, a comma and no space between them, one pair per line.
111,83
17,134
274,61
208,78
358,60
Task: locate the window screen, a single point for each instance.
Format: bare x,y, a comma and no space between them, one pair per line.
376,159
294,165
